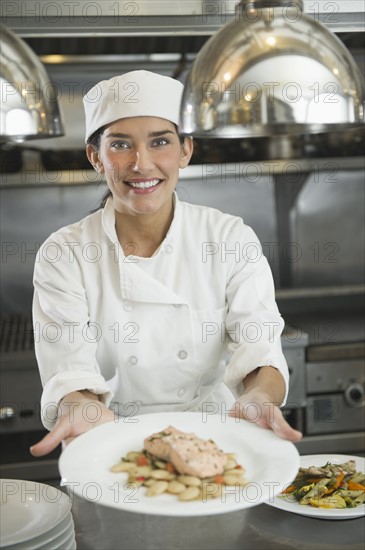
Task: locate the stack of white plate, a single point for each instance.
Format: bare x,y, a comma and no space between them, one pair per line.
35,516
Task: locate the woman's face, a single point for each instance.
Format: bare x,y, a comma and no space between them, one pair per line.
141,158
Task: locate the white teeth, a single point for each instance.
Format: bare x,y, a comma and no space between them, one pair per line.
143,184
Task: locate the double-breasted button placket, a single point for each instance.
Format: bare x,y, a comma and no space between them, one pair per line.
167,249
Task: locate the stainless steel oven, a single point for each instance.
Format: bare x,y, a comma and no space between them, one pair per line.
333,418
20,424
335,387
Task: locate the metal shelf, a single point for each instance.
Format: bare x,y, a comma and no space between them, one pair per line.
33,178
154,17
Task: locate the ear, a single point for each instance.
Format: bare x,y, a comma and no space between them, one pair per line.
187,149
94,158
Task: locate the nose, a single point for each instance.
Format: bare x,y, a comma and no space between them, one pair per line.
136,167
143,161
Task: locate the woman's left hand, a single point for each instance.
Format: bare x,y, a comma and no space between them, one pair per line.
256,406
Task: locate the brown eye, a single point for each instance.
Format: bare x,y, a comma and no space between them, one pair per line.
119,145
160,142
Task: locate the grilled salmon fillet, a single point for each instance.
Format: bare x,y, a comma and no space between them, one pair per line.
189,454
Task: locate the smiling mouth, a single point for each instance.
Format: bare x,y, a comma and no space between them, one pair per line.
143,184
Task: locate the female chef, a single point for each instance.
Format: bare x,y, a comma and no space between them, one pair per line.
152,304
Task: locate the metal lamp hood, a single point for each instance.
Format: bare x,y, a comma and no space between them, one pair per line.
272,71
28,102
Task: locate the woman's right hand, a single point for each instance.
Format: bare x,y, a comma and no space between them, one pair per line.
79,412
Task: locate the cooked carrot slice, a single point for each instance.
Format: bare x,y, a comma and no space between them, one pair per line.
142,461
289,489
170,468
219,479
355,486
336,484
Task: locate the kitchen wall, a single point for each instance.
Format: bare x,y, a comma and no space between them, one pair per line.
325,246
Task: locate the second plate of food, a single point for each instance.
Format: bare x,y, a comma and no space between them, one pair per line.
289,504
270,463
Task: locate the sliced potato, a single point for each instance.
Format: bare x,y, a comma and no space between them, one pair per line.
234,480
235,472
142,471
230,464
132,456
233,456
160,464
162,474
175,487
191,481
149,481
190,493
157,488
123,467
211,490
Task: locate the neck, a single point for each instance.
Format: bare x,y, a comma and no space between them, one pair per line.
141,235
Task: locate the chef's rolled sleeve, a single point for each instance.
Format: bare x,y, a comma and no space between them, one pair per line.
62,384
253,321
65,352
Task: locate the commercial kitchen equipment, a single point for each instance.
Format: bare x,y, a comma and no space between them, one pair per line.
272,71
28,100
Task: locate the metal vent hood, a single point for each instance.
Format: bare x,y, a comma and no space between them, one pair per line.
29,107
239,83
79,41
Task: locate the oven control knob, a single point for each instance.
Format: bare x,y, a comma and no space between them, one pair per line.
354,395
6,412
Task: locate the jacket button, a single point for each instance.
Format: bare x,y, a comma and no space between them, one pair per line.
127,306
133,360
181,392
182,354
167,249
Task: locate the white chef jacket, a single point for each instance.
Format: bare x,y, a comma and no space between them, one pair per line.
174,332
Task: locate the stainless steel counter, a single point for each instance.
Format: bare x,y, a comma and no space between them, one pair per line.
260,527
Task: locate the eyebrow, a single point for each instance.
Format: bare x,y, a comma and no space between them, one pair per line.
150,134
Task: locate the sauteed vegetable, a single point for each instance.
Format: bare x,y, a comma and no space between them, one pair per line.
159,476
174,475
329,486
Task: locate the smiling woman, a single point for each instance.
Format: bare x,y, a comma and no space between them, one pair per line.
141,158
140,155
156,323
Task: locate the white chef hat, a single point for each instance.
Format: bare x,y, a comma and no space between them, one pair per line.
137,93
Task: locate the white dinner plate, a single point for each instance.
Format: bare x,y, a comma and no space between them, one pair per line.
85,465
63,543
29,509
48,540
288,503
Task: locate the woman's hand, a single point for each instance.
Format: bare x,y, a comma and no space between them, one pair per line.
259,403
78,412
256,407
